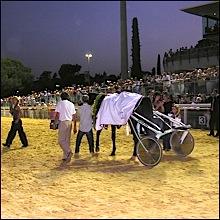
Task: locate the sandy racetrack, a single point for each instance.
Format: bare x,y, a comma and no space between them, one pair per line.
34,185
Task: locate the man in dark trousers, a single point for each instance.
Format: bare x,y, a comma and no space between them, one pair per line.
85,126
214,114
168,104
16,125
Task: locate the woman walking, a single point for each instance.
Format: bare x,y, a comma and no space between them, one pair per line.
16,125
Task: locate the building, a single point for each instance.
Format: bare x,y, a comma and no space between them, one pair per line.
206,53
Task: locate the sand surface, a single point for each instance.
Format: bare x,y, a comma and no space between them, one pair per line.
34,185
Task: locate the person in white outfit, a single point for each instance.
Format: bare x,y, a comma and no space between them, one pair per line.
66,114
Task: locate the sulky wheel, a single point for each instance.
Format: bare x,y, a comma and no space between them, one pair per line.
182,143
149,151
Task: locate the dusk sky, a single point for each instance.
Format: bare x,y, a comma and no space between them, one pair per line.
45,34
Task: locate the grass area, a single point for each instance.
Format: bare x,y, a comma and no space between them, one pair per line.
34,185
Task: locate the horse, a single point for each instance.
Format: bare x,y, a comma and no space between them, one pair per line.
143,107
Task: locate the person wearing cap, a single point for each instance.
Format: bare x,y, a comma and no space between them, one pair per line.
65,114
16,125
85,126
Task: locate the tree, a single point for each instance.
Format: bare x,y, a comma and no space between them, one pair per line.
67,73
15,77
113,78
158,65
136,61
55,81
80,79
153,72
45,80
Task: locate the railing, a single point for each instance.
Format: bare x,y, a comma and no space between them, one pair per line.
197,115
194,53
181,87
199,57
33,112
174,87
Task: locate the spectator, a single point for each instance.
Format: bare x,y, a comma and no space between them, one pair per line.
214,114
158,102
168,103
175,114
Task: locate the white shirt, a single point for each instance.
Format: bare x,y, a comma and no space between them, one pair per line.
66,110
85,115
177,119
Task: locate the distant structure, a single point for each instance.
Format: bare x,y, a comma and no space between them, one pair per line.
206,52
124,43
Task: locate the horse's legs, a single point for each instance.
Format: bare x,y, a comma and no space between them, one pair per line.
97,140
134,136
113,128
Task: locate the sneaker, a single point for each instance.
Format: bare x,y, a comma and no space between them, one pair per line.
69,156
133,158
93,154
6,145
76,155
210,134
23,146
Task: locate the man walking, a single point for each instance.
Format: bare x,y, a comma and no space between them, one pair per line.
85,127
16,125
66,114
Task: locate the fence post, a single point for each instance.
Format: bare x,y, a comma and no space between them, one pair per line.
185,115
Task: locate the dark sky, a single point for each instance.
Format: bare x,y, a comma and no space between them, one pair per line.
45,34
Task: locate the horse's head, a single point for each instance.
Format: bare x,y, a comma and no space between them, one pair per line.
145,108
92,97
95,99
97,103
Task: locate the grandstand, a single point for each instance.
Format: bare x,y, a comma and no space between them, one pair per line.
206,53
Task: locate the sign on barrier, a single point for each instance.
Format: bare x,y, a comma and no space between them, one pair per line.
202,120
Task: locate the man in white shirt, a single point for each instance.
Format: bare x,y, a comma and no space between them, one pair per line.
85,127
65,113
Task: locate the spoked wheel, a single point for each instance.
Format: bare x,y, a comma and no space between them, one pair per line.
182,143
149,151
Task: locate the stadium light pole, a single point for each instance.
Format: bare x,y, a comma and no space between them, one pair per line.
88,56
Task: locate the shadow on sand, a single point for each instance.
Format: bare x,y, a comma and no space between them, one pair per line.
175,157
107,164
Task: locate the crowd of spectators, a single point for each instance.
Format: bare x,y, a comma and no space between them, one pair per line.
212,29
185,87
201,44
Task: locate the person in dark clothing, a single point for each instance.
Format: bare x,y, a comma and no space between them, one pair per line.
214,114
16,125
216,109
158,103
168,104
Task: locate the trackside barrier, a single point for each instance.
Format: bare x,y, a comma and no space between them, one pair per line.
197,115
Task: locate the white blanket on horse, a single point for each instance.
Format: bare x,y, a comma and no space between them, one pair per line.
116,109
